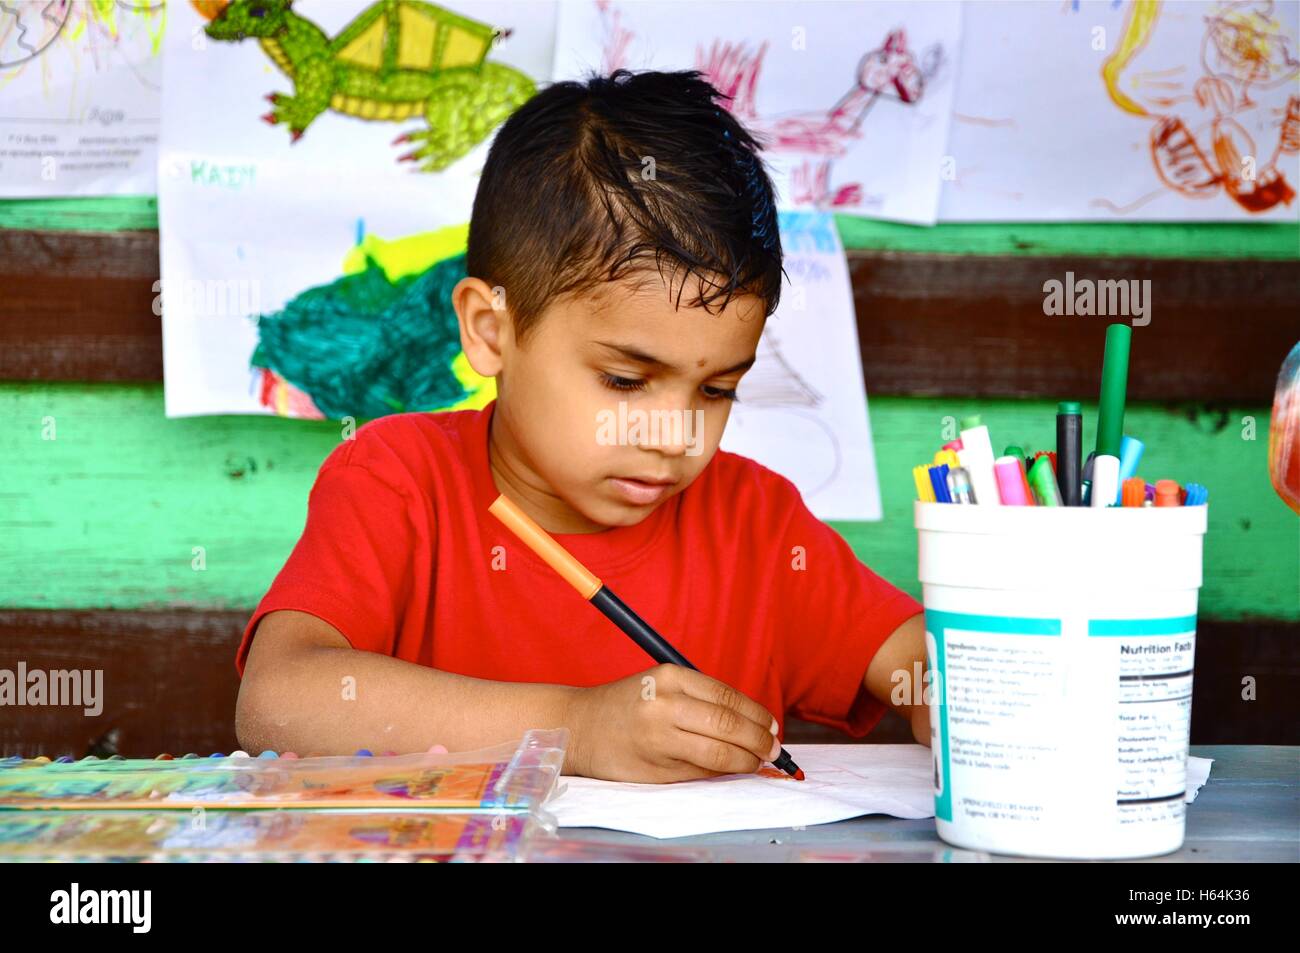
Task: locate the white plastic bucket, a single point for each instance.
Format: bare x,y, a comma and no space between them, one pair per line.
1062,641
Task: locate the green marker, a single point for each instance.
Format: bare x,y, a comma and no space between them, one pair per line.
1114,384
1043,483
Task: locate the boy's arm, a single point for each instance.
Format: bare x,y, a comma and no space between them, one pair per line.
904,647
305,689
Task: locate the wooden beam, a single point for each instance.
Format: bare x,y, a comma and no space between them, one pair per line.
80,306
169,683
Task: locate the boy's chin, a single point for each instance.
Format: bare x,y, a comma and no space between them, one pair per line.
612,512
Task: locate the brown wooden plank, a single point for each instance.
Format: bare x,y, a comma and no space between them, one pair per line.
974,327
79,306
170,683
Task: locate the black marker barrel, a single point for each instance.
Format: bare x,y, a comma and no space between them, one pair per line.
1069,451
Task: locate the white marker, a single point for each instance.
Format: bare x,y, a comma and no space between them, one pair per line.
1105,480
976,455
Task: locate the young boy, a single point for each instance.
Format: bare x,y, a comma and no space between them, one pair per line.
623,248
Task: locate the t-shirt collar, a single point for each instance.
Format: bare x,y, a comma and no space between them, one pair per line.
605,551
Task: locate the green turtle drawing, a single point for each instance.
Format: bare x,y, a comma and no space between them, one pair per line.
397,60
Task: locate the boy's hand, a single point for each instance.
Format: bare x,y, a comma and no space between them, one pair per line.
668,724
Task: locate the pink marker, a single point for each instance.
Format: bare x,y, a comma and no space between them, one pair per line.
1011,484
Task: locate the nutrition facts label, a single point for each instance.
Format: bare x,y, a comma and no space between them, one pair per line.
1154,669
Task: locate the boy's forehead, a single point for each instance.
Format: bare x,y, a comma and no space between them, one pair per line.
646,300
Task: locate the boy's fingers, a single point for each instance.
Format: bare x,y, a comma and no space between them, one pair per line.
714,722
706,689
712,755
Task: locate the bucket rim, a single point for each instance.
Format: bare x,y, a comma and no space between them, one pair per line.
1010,520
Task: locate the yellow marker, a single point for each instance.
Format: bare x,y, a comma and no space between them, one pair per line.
924,488
946,456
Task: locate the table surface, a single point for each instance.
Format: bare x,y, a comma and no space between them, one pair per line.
1249,810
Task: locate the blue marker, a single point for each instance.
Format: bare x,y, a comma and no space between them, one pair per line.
939,480
1197,495
1130,455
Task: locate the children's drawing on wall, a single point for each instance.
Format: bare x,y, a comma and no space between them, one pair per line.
398,60
816,138
802,409
305,268
381,339
80,83
1176,111
1223,119
850,99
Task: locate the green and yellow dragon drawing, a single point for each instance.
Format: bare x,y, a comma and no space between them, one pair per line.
397,60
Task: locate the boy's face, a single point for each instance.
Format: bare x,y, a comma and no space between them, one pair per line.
617,401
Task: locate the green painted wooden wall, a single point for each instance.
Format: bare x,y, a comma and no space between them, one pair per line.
109,512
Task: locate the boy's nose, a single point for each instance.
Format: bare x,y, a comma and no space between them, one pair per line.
673,432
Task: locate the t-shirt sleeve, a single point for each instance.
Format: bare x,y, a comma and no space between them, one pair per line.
348,567
838,613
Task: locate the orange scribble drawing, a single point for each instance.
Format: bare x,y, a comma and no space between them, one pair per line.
1203,116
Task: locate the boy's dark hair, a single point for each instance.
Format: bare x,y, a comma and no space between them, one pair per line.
587,182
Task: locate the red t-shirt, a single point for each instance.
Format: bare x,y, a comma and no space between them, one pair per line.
399,552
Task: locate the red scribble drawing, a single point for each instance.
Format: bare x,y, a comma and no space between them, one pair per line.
1203,114
891,72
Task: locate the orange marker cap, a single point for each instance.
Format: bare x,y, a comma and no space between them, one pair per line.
1167,493
539,541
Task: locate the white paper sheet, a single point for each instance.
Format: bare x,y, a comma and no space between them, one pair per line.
802,409
1039,133
843,781
79,97
852,98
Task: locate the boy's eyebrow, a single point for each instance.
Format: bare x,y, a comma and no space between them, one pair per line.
643,358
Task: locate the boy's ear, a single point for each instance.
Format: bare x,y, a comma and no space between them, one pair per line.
485,324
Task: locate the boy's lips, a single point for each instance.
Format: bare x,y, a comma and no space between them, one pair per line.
643,490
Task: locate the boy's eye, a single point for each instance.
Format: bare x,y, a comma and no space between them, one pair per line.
720,393
621,383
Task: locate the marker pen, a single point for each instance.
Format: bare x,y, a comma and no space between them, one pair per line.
1130,455
1133,492
977,457
1085,495
924,488
939,480
1014,451
1105,480
1114,387
946,456
599,595
1011,482
1043,483
1167,492
1069,451
959,486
